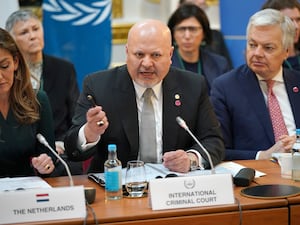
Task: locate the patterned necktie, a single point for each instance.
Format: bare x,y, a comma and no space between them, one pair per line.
278,124
148,129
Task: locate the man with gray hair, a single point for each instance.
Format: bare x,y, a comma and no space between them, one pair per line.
258,104
290,8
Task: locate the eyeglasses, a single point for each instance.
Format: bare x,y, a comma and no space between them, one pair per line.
192,30
296,20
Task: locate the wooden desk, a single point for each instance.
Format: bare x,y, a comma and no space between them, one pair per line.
137,211
273,177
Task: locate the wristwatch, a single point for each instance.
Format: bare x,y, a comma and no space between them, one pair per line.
193,163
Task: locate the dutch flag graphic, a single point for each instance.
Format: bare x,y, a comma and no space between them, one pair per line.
42,197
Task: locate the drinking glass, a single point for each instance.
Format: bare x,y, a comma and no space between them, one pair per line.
286,164
135,178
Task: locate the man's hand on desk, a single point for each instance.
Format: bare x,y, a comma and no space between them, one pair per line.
178,161
285,144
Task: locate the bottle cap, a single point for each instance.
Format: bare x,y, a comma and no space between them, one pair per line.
112,147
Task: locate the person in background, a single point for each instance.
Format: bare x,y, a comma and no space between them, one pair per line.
290,8
119,94
190,27
217,43
246,98
23,114
57,77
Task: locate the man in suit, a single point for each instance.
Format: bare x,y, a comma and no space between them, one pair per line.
57,77
240,96
118,92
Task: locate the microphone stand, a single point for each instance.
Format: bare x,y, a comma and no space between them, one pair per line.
182,123
43,141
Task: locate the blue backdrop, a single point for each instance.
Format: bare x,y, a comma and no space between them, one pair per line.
79,31
234,16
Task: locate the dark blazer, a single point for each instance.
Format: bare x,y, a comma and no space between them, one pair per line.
60,84
213,65
114,91
18,143
292,62
242,111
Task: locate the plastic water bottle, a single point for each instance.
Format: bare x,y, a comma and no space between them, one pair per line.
113,175
297,143
296,158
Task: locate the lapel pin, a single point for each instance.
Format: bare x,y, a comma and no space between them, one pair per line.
295,89
177,100
178,103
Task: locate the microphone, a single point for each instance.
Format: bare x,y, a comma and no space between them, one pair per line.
244,177
182,123
43,141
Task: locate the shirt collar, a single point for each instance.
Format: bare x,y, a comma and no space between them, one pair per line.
157,89
278,77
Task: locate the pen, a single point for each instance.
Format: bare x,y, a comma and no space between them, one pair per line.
91,100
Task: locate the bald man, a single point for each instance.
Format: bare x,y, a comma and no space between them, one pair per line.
118,95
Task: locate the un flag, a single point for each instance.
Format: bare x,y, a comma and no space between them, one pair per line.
79,31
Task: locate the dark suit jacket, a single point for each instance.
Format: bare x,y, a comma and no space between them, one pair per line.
60,84
114,91
292,62
213,65
242,111
19,141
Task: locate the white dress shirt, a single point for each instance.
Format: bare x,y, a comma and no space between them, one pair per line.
283,100
157,105
284,103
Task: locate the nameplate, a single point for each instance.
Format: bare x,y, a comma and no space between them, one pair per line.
193,191
42,204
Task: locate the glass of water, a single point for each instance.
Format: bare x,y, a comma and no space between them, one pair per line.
135,178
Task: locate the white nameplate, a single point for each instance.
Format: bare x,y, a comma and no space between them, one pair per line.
193,191
42,204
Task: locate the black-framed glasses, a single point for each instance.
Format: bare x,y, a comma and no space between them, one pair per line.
296,20
193,30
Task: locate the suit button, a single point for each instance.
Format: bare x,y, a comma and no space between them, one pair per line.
76,153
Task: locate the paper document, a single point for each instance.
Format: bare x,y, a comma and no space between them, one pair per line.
21,183
234,168
154,170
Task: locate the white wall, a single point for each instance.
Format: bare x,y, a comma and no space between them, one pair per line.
6,8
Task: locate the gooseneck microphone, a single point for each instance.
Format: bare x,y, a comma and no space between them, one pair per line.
182,123
43,141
